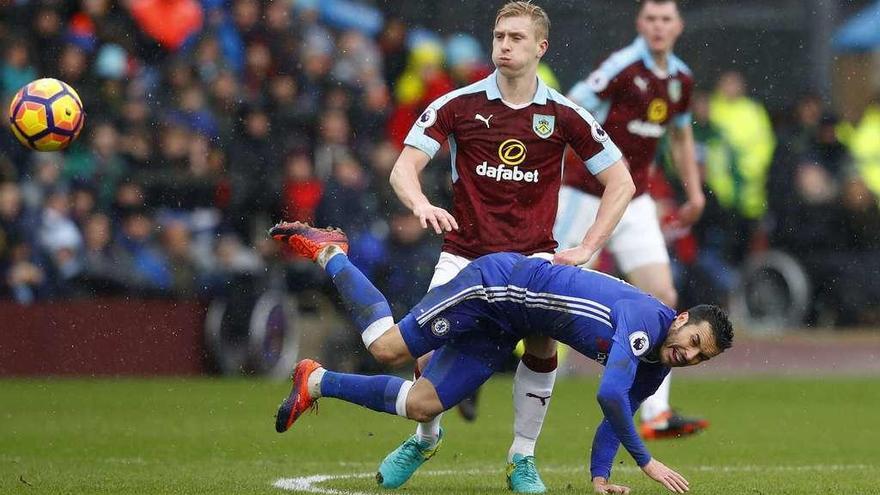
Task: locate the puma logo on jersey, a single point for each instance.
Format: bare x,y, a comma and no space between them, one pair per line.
484,120
641,83
542,399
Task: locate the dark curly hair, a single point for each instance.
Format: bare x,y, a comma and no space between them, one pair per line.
722,329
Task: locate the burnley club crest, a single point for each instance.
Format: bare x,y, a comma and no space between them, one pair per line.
543,125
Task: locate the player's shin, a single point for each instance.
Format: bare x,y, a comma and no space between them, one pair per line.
429,431
381,393
532,388
367,306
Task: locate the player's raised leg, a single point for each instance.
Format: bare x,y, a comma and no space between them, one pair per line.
367,306
381,393
532,389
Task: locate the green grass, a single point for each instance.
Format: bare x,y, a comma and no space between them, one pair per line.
768,436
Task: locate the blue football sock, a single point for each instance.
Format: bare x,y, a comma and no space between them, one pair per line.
378,393
365,304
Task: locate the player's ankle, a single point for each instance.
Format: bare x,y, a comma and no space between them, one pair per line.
522,446
314,383
326,253
429,432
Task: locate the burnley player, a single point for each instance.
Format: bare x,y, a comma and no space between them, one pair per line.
507,135
472,324
638,93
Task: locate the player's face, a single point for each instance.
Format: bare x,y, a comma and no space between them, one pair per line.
687,343
516,48
660,25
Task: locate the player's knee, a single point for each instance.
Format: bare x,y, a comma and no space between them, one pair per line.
422,410
388,354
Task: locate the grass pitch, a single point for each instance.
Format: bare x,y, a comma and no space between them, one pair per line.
768,436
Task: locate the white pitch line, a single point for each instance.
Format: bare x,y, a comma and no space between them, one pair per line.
308,484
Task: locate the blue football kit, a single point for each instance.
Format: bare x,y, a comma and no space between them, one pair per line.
474,322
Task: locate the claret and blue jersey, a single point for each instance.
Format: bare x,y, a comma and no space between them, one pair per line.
475,320
507,163
635,102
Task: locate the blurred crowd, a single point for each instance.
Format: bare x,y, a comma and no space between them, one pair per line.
202,132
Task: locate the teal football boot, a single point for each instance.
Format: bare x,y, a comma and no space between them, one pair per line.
399,465
522,475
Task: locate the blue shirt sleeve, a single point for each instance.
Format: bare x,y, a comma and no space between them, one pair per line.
626,383
606,441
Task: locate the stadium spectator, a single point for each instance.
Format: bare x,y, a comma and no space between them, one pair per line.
153,18
176,241
17,69
100,166
107,269
739,178
137,242
865,146
302,191
25,279
332,145
744,123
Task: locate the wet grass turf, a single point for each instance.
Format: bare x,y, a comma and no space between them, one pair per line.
768,436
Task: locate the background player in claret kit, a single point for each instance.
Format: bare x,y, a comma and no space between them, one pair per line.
637,94
507,134
474,321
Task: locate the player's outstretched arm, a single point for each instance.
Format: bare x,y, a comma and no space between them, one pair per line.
619,396
406,184
619,190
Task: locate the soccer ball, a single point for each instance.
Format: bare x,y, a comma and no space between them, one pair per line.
46,115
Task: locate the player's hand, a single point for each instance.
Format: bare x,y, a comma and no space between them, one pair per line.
673,481
601,485
690,212
440,219
574,256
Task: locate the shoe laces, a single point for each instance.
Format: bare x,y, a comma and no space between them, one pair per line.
527,469
411,451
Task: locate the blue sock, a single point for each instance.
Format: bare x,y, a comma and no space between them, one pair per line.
378,393
364,302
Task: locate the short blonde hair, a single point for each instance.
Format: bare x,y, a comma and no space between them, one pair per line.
527,9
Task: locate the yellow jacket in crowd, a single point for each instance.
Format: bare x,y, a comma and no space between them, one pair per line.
864,146
745,125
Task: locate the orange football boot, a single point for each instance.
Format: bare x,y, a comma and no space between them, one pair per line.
670,424
299,400
306,240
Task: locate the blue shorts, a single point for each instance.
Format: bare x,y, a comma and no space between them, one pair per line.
472,337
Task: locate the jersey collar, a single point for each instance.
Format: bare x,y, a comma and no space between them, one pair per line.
493,93
641,46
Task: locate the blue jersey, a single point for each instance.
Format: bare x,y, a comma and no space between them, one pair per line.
500,298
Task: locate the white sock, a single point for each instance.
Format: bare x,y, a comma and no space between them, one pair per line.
400,404
430,431
529,410
315,382
327,253
658,403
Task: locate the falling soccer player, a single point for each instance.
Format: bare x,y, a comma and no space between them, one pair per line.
472,324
